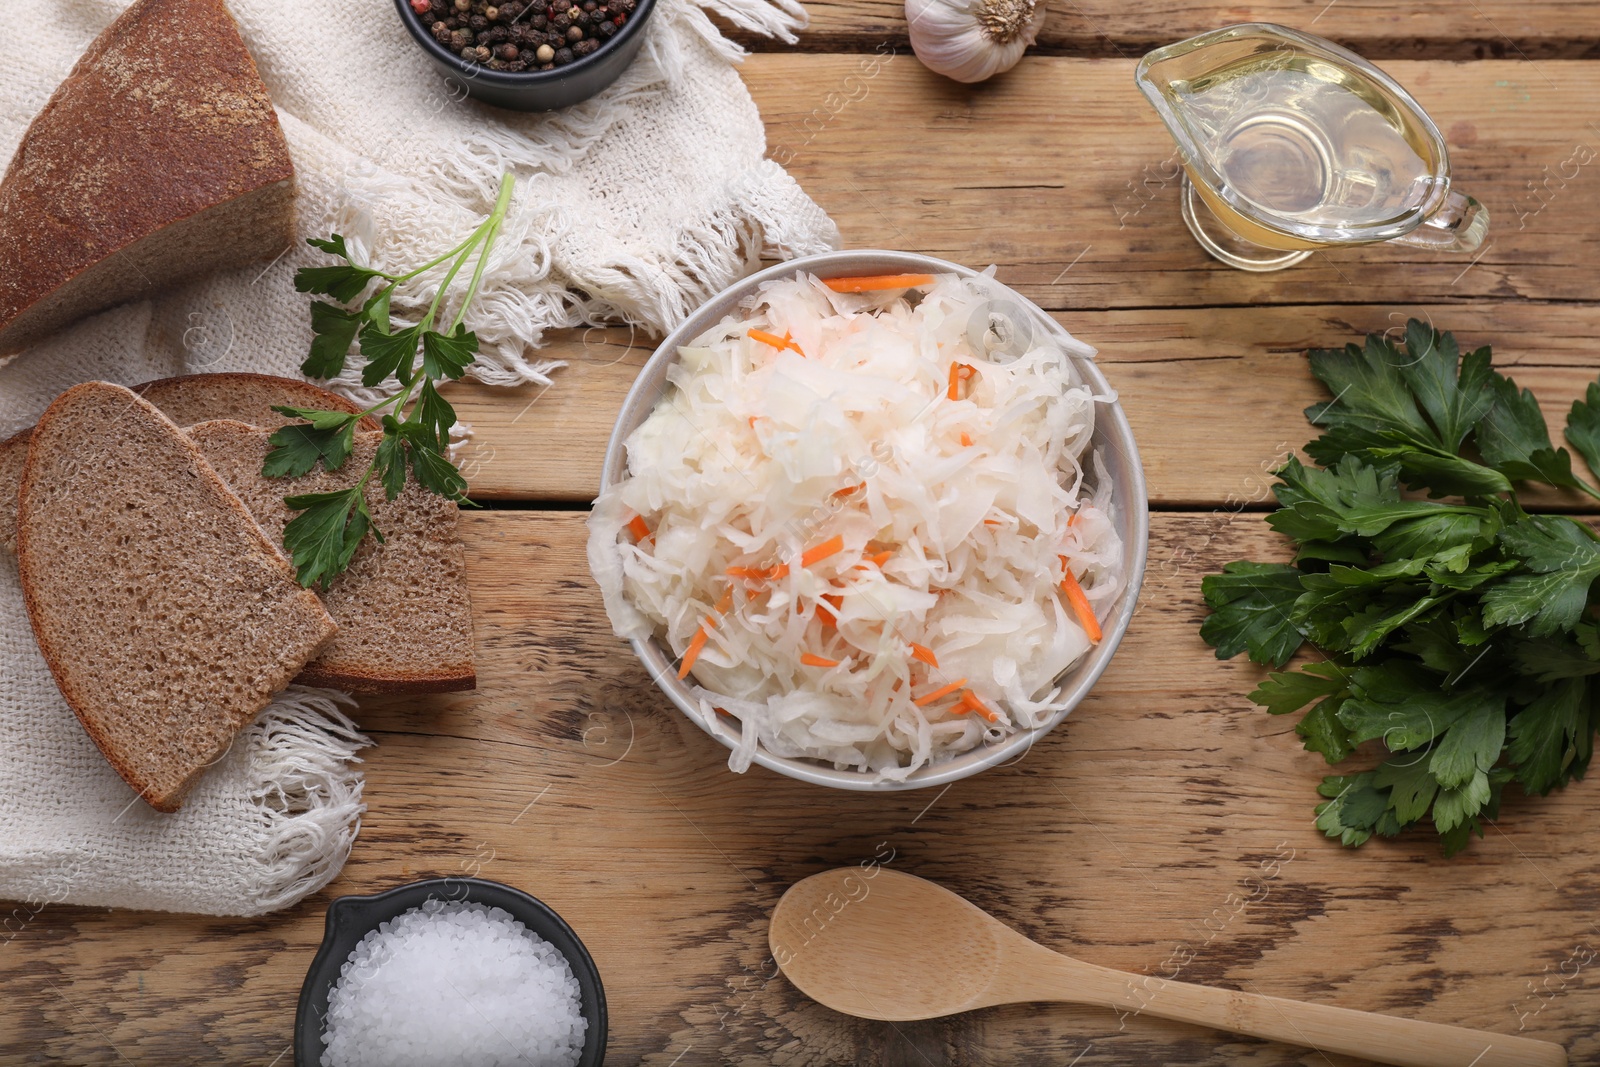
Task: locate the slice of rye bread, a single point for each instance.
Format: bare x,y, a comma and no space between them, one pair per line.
405,621
159,158
186,400
166,616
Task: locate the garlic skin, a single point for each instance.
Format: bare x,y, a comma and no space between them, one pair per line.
970,40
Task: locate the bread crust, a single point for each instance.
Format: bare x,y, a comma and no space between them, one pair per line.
36,589
175,393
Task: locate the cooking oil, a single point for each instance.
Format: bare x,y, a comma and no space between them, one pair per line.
1306,144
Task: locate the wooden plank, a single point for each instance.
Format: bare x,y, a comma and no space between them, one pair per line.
1061,175
1378,29
1168,818
1181,373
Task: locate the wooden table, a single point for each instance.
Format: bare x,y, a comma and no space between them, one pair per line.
1139,832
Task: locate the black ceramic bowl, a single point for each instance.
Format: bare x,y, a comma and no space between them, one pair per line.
535,90
350,918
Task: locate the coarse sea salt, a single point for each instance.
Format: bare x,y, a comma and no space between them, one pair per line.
451,984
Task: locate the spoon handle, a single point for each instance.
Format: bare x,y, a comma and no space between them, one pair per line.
1380,1038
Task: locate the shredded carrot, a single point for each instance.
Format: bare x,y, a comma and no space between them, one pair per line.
966,440
959,372
692,653
880,559
698,642
827,618
849,489
1080,606
723,711
991,522
817,553
925,654
877,282
929,698
775,341
752,421
970,702
636,526
1073,521
817,661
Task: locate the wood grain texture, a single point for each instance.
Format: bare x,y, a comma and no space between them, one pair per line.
1061,175
1423,29
1182,374
1167,821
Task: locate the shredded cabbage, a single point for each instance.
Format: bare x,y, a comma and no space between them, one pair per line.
759,456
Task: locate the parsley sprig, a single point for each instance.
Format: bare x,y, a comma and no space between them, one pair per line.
1459,631
416,420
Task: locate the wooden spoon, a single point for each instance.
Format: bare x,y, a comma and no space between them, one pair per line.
880,944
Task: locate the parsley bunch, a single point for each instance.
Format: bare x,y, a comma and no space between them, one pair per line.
324,537
1459,631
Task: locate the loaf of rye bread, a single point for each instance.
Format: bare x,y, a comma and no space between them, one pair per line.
405,621
166,616
158,158
186,400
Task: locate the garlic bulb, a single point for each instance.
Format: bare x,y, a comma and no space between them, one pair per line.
970,40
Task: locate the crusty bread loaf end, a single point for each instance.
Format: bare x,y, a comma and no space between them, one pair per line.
158,158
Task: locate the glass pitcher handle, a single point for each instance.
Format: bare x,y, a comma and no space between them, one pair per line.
1460,225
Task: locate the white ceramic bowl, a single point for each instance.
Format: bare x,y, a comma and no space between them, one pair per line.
1112,437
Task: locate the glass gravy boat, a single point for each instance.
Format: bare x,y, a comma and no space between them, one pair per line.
1290,143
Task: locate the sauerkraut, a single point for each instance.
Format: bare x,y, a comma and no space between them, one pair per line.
872,536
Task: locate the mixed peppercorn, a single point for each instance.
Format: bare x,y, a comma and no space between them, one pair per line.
517,35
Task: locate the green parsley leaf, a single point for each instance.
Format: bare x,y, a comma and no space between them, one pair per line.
1327,684
1473,743
299,447
1372,406
1564,558
322,420
1583,428
324,537
1401,703
391,464
1448,386
448,355
1286,691
1413,407
389,355
1555,659
1515,441
433,471
333,331
1353,810
1455,807
376,309
435,416
333,245
1411,788
1553,737
1252,605
343,283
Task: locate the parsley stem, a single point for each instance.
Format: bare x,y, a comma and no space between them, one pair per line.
471,240
438,296
495,221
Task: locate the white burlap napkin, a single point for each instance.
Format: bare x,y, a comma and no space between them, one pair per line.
632,207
